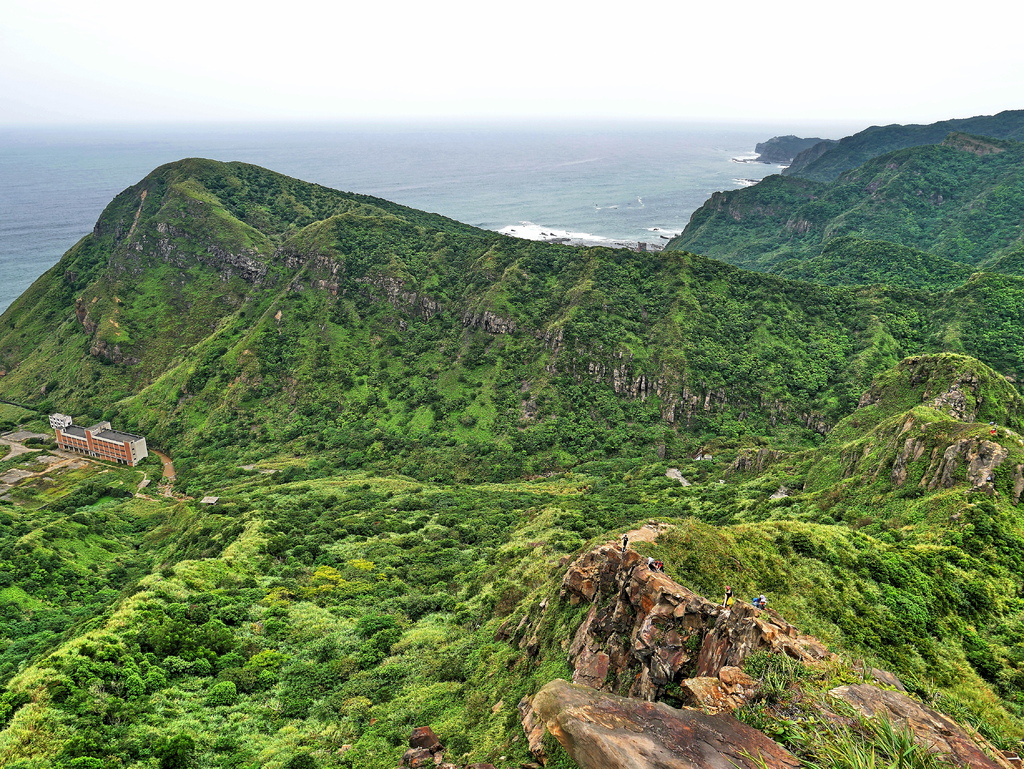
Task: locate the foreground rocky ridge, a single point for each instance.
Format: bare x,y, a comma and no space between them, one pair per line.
645,632
651,638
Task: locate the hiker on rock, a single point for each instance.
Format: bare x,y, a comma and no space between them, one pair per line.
760,602
727,603
625,543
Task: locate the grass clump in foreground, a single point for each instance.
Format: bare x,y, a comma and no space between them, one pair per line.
793,707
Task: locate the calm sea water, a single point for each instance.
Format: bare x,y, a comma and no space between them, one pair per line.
615,182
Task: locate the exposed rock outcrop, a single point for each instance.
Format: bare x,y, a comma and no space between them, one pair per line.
604,731
675,474
425,750
930,728
400,297
754,460
976,145
980,458
490,322
102,349
644,631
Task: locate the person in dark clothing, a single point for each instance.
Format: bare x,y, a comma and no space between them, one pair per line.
625,543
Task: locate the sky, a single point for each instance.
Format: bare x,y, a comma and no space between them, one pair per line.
69,62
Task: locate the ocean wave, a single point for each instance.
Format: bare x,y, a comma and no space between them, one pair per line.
531,231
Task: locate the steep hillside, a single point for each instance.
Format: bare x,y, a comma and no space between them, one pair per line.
825,162
220,305
852,261
961,201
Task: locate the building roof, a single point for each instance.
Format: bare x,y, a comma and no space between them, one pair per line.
74,430
116,435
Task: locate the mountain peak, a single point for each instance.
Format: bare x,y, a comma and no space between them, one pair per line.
959,386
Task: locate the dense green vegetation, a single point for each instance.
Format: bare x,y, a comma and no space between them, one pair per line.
411,424
852,151
952,201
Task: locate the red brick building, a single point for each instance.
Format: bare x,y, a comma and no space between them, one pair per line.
100,441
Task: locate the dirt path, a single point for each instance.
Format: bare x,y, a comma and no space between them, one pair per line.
648,532
14,441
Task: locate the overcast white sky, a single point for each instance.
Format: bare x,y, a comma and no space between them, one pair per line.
69,61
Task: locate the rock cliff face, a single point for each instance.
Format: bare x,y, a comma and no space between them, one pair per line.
645,633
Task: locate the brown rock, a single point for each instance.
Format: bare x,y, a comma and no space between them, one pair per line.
879,676
705,692
644,631
415,758
930,728
533,727
604,731
424,737
730,690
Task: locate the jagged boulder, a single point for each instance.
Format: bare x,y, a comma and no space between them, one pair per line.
727,691
604,731
930,728
425,750
643,620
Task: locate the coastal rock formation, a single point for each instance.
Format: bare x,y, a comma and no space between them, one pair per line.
782,149
605,731
644,631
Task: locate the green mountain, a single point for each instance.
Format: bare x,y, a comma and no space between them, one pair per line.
849,260
782,149
826,161
413,427
960,201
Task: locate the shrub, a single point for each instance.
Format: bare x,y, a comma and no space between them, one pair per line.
222,693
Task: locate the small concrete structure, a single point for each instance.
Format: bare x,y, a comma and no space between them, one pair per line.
60,421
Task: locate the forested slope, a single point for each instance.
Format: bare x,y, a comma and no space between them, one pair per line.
960,201
825,164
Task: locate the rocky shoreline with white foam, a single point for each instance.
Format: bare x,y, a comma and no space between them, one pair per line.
531,231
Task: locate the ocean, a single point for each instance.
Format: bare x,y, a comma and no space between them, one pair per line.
603,183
